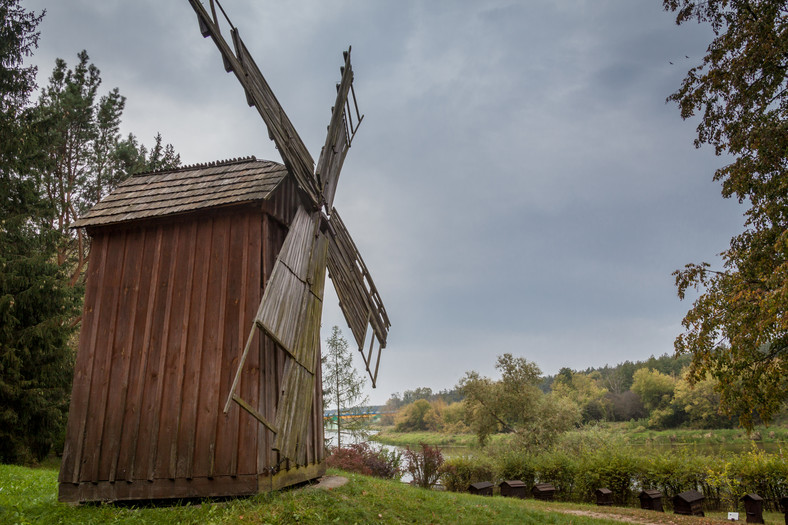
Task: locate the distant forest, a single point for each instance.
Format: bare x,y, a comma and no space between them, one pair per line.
656,392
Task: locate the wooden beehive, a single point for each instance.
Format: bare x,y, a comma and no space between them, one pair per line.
784,507
543,491
481,488
753,508
604,496
651,500
178,264
688,503
513,488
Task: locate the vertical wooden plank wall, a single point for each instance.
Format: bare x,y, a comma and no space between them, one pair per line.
168,306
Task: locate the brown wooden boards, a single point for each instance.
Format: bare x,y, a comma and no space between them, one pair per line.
295,403
290,312
167,305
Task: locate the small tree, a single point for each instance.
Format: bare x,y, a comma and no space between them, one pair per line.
343,387
504,405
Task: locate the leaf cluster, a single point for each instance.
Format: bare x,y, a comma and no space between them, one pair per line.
737,329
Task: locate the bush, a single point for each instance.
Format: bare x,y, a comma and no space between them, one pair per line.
560,469
424,465
364,459
459,472
412,417
615,468
516,464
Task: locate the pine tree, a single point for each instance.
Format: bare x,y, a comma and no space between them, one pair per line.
343,387
86,158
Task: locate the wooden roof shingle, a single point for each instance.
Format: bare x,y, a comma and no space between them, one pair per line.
190,188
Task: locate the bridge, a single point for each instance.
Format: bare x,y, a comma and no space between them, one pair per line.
370,412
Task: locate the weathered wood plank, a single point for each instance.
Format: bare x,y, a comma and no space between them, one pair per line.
281,130
227,431
187,433
336,146
209,407
176,347
282,307
83,372
132,418
161,332
160,489
99,387
122,355
210,379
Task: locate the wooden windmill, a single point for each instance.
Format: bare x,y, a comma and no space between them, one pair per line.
182,263
291,307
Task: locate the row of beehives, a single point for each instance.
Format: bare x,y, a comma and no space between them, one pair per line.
689,503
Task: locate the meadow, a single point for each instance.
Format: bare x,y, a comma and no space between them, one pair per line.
28,495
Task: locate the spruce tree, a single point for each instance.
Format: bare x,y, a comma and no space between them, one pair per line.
36,303
343,387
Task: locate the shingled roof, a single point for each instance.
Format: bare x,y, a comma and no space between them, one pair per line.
186,189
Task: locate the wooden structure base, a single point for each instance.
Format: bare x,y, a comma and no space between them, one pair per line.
219,486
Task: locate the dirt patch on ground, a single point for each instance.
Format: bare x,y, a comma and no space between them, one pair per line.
661,519
614,517
329,482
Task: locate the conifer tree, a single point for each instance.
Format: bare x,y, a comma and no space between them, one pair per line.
343,387
36,303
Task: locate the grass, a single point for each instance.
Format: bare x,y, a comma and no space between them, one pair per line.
631,432
29,496
638,434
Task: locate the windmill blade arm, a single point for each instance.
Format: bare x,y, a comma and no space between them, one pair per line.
340,134
259,94
358,297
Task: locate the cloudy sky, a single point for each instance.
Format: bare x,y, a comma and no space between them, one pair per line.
518,183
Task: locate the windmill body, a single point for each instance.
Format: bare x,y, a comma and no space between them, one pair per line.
198,370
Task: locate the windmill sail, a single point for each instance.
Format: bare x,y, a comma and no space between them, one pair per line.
358,296
291,308
259,94
340,134
290,312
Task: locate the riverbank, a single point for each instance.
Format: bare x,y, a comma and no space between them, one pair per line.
29,496
770,439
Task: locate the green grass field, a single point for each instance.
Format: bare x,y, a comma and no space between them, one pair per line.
29,496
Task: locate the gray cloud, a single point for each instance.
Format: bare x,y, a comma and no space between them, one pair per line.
518,183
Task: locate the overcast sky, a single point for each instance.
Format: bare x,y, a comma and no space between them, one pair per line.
518,183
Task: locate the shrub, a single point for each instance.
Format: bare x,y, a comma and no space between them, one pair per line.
364,459
561,470
424,465
615,468
512,463
412,417
459,472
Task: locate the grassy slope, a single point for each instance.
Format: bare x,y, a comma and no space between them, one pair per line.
28,496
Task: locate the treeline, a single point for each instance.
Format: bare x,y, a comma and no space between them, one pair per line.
657,392
59,155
